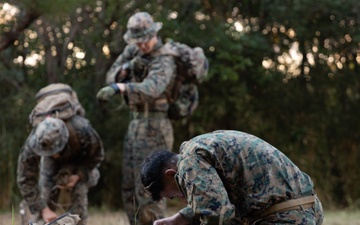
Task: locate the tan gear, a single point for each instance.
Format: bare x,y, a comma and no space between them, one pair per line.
57,100
66,219
70,219
299,203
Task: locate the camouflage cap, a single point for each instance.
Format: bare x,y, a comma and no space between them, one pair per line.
50,137
141,28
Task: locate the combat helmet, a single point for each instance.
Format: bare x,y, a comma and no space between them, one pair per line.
141,28
50,137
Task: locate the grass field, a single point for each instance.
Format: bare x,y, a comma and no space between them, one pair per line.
101,217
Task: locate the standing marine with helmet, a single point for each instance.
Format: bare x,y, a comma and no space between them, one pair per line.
59,157
143,77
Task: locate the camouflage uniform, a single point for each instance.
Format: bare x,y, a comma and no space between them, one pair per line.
152,75
230,177
81,155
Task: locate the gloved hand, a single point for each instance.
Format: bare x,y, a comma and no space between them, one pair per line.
106,93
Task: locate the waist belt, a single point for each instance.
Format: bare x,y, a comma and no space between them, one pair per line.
299,203
293,204
150,115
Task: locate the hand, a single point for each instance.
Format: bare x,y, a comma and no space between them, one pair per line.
48,215
105,93
177,219
73,179
123,76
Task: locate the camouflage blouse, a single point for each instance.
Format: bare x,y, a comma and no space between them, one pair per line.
228,175
152,76
37,176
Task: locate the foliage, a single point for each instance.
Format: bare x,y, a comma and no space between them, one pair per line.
286,71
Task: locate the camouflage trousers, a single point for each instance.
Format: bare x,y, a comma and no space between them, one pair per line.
304,216
144,136
62,200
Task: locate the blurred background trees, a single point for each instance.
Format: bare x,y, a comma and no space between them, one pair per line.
284,70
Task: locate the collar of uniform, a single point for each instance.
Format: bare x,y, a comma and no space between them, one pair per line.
158,45
177,181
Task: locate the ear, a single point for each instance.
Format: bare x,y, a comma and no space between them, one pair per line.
170,172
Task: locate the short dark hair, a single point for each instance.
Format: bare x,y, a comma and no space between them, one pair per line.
152,168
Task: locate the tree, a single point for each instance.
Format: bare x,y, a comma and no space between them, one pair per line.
286,71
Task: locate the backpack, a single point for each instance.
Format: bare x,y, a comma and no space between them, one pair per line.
56,100
192,67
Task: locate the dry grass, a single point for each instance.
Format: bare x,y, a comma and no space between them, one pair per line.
99,217
95,218
342,217
108,218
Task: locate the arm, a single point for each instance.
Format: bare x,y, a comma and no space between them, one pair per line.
176,219
92,147
161,72
47,174
205,191
28,177
46,184
118,72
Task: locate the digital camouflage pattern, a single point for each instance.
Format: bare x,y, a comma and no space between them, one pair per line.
141,28
148,84
39,178
144,136
152,76
228,177
50,137
192,68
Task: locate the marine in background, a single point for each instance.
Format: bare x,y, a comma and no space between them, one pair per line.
57,165
143,77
